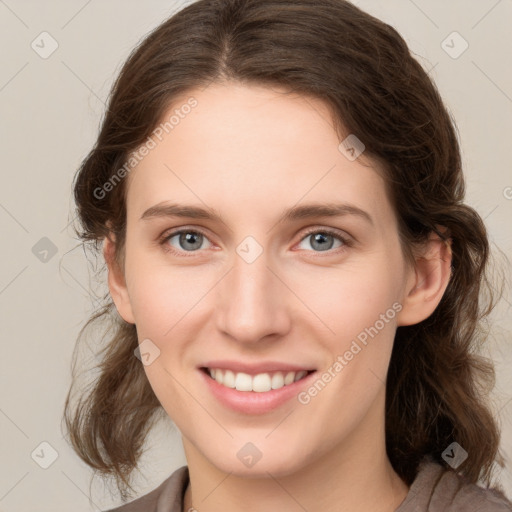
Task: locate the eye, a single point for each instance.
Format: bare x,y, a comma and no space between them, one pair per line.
187,240
322,240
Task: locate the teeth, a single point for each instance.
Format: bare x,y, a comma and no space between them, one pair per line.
259,383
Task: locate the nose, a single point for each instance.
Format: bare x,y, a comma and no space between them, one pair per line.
252,301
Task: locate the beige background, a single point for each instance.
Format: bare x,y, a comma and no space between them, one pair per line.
51,109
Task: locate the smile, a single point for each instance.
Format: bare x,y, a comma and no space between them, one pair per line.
258,383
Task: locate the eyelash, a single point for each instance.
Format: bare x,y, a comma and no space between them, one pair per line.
168,248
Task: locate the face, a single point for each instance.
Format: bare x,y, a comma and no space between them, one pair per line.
253,286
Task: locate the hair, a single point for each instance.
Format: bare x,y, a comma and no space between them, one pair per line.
360,67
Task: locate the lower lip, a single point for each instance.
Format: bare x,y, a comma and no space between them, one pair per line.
253,402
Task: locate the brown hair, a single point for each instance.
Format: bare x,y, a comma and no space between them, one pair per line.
363,70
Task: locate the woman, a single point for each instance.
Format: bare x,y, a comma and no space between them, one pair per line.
239,138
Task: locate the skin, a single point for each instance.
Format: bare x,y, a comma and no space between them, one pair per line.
251,152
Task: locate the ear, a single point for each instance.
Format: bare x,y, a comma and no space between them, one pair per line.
427,281
117,283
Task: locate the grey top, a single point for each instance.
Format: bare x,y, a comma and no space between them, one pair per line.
435,489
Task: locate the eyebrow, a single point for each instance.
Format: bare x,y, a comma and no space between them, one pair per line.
305,211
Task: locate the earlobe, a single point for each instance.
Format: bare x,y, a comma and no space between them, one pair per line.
429,279
117,283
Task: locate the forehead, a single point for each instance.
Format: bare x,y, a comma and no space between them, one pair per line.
256,146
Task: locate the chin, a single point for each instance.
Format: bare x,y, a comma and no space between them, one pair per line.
250,461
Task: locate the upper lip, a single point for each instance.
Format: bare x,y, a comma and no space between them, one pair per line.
255,368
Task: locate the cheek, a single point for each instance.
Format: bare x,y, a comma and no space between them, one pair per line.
349,299
161,295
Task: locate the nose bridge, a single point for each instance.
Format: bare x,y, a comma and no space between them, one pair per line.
251,303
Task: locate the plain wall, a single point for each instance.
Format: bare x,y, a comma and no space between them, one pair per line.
51,110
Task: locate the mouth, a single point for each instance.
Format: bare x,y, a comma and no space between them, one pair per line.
257,383
257,393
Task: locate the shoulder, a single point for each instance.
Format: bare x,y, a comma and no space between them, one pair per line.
167,497
438,489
